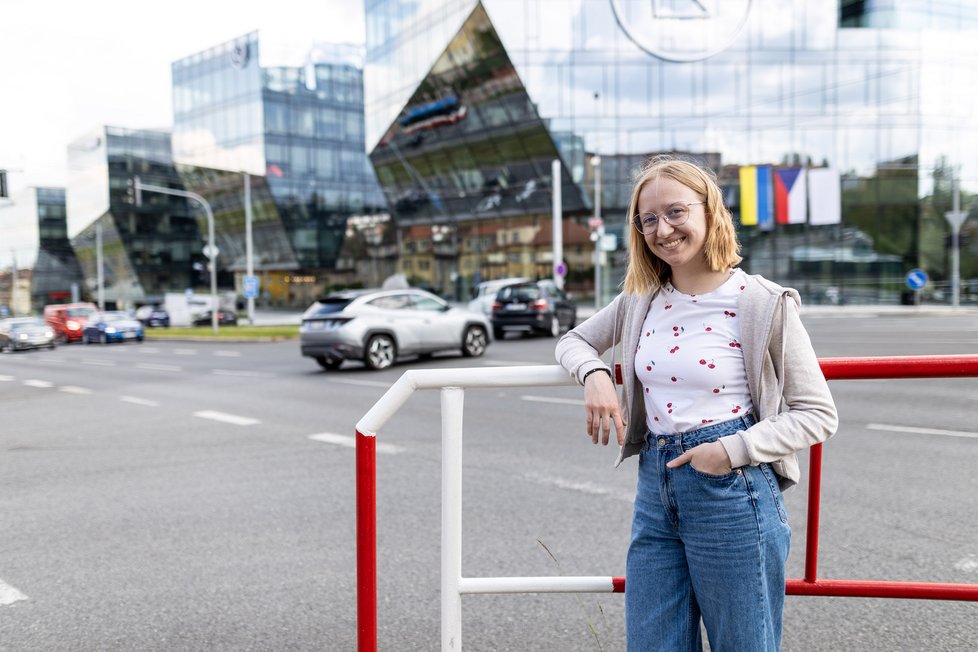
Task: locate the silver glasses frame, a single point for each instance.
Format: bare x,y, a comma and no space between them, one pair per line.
637,220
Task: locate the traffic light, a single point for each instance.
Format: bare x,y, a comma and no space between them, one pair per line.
134,192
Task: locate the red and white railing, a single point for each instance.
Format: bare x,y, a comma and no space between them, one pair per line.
453,382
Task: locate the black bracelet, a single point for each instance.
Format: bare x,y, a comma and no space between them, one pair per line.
584,380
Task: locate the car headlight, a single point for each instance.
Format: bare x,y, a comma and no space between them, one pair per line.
72,325
49,333
22,336
109,329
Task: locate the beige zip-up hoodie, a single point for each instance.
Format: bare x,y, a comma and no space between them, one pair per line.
792,403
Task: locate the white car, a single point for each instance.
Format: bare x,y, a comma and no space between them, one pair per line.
485,293
379,326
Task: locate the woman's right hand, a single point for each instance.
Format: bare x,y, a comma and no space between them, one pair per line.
601,408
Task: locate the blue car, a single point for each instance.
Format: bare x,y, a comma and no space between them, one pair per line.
112,326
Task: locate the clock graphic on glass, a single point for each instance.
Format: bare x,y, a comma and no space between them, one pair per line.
682,31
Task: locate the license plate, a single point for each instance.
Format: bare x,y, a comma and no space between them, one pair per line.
515,306
129,334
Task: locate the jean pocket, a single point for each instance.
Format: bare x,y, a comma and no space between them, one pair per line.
772,482
733,473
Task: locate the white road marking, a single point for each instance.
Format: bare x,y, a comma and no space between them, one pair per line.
158,367
510,363
351,442
149,349
139,401
228,354
6,379
921,431
364,383
9,595
226,418
239,372
553,399
74,389
185,351
969,564
38,383
581,487
98,363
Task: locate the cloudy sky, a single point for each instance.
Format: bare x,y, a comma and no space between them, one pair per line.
67,67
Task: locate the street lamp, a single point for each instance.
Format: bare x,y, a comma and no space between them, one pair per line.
956,218
598,225
210,249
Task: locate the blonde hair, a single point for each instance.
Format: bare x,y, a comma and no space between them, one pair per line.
646,272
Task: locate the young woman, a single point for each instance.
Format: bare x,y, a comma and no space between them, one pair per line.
721,388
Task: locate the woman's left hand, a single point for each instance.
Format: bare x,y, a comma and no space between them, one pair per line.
708,458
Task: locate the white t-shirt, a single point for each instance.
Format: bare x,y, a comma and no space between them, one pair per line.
689,359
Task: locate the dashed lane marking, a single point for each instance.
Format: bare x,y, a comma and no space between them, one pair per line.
922,431
228,354
6,379
98,363
43,384
74,389
135,400
553,399
9,595
226,418
185,351
149,349
159,367
240,372
351,442
580,487
364,383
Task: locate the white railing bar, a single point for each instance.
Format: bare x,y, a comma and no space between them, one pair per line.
536,585
400,391
452,400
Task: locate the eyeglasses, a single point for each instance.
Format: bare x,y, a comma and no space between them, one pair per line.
675,215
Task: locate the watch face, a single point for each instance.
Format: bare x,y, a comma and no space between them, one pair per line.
682,30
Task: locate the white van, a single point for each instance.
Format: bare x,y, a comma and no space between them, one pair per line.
484,293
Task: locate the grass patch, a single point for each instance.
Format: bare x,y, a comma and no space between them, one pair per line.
240,332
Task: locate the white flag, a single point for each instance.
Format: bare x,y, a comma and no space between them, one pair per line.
824,196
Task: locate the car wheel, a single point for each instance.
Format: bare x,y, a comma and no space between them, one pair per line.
381,351
554,326
103,338
474,342
7,348
328,364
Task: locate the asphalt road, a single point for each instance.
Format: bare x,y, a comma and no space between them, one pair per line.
176,496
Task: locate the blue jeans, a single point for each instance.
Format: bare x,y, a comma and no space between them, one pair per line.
705,546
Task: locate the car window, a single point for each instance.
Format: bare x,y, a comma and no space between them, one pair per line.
391,302
80,312
326,307
519,293
428,303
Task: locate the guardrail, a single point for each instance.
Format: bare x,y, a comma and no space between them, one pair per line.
452,382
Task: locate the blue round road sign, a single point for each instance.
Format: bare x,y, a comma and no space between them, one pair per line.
916,279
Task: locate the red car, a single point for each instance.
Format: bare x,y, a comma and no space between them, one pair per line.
68,320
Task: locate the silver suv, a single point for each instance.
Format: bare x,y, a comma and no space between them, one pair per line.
379,326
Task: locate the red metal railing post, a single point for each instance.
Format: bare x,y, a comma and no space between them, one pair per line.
814,505
366,543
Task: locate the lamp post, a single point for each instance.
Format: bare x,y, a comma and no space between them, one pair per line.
99,267
210,249
249,247
598,234
956,218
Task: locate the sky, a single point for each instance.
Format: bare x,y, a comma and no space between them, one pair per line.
67,67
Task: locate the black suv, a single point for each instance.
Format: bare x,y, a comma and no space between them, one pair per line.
538,306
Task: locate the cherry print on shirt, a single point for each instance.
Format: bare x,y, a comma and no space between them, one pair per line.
707,328
649,366
676,379
706,421
673,349
669,405
736,409
735,345
677,330
716,390
668,306
728,313
710,364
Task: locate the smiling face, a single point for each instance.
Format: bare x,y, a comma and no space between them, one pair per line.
681,247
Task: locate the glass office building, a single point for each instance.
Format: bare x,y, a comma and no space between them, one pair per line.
464,100
37,263
147,250
298,133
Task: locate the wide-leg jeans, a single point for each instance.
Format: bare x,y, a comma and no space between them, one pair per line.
705,546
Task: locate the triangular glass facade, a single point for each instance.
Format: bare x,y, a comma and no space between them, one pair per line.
470,145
